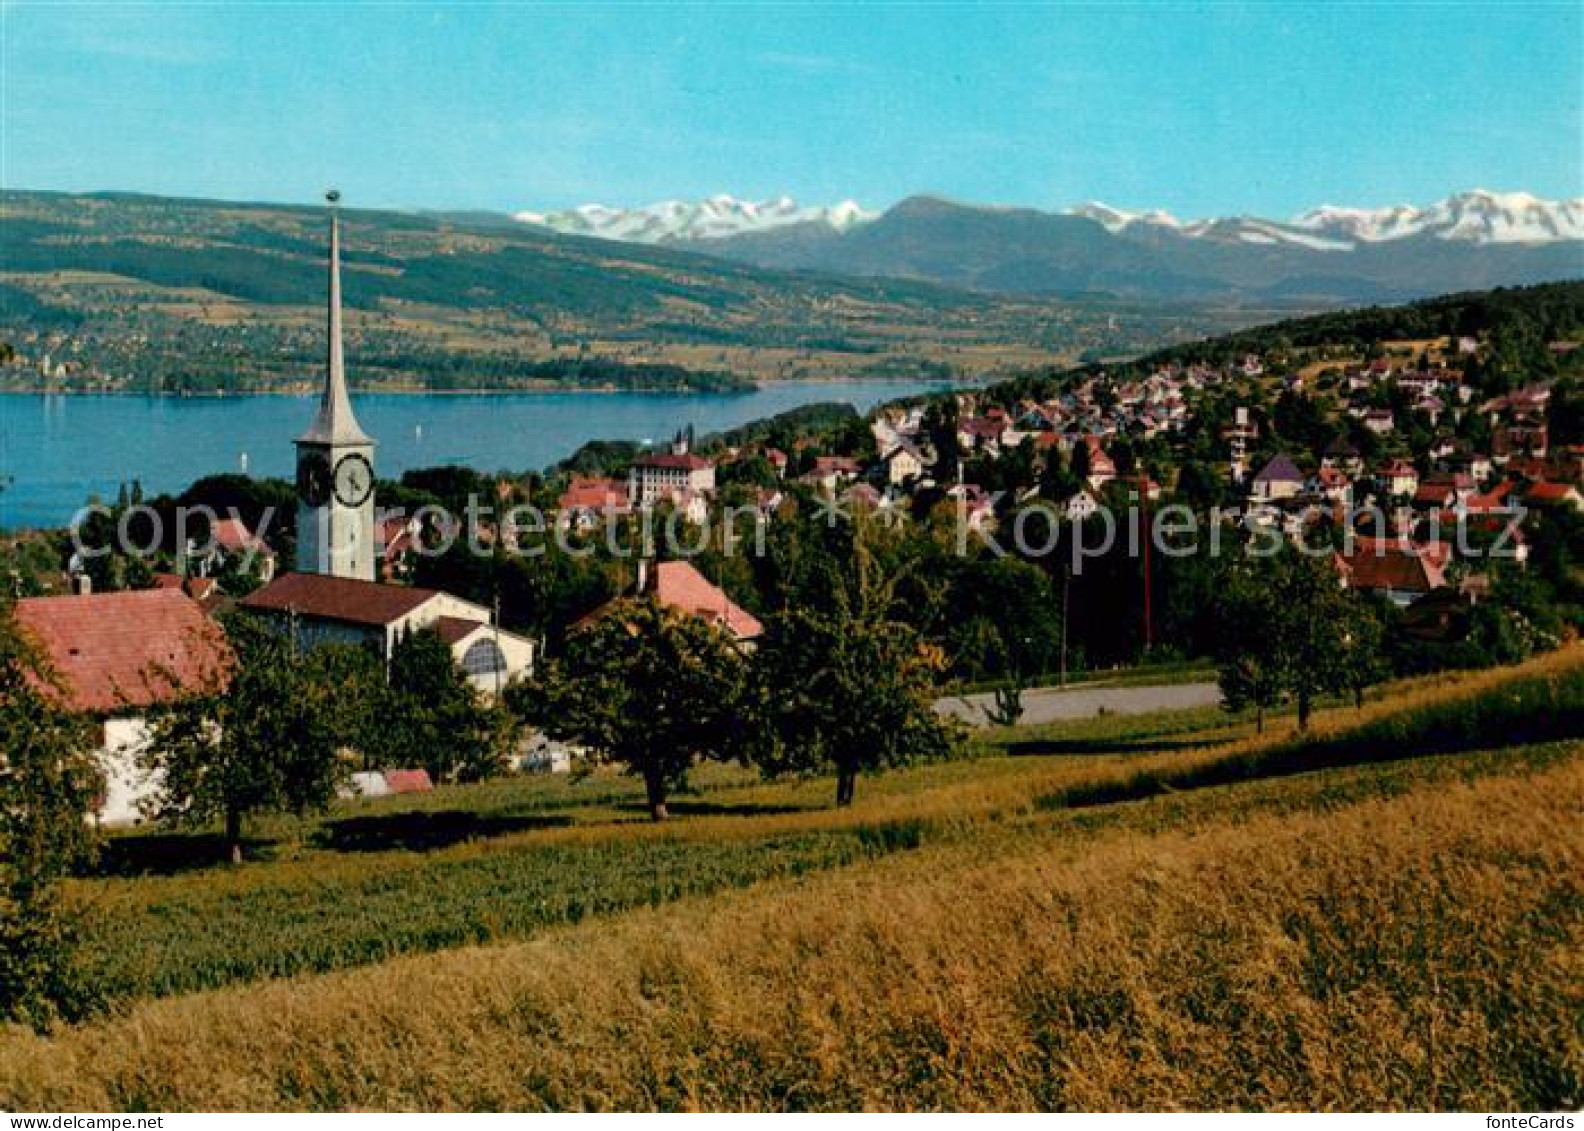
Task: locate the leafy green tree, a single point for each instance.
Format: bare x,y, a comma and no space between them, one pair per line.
648,688
260,736
48,780
1291,628
848,685
440,720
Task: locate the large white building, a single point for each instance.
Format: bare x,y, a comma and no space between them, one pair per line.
669,477
319,609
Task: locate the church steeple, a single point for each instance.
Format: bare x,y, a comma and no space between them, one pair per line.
335,462
335,422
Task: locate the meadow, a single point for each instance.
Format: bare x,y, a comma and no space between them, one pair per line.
1156,911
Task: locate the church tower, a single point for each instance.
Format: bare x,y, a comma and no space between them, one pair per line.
335,462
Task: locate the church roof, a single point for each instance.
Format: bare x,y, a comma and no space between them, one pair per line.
345,599
335,423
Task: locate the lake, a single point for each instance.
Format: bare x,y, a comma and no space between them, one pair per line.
58,450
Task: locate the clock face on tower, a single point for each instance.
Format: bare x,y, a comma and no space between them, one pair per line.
313,479
354,480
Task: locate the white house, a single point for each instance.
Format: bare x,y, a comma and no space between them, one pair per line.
903,463
116,655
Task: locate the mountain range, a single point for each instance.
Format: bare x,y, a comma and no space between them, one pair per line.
1330,254
112,291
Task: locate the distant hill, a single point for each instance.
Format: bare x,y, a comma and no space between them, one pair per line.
1328,256
121,291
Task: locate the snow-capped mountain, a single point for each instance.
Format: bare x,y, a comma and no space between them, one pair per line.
673,221
1478,216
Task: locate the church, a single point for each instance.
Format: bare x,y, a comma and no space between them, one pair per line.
333,595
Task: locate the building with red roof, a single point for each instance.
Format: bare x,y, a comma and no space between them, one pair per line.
589,499
1400,572
680,586
114,656
667,476
320,609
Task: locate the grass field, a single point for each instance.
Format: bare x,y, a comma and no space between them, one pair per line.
1125,912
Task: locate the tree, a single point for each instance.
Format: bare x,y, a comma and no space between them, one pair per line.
48,780
257,737
1291,628
444,724
646,687
848,685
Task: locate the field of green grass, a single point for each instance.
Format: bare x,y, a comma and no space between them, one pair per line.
1165,910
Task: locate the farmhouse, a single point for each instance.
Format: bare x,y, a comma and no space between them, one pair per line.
321,609
1402,574
115,656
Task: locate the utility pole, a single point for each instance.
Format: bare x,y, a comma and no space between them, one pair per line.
1066,582
1145,537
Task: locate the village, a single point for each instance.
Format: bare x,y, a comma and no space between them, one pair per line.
1418,483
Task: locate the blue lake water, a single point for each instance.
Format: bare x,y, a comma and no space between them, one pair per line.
56,451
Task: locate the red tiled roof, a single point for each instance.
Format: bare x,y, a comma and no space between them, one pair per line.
337,598
685,461
408,781
844,465
453,629
680,586
116,650
233,534
593,493
1403,571
1550,493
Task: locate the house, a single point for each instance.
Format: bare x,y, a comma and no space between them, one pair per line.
321,609
116,655
230,540
1333,483
678,585
903,463
205,590
398,539
1343,455
973,505
830,472
668,477
1399,478
1102,468
1554,495
1379,421
1401,573
589,500
778,460
1083,504
1278,479
981,432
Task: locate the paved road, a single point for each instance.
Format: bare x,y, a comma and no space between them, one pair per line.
1052,704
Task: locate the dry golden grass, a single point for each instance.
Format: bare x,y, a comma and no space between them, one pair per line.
1417,951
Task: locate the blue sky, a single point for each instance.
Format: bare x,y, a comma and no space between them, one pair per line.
1198,108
